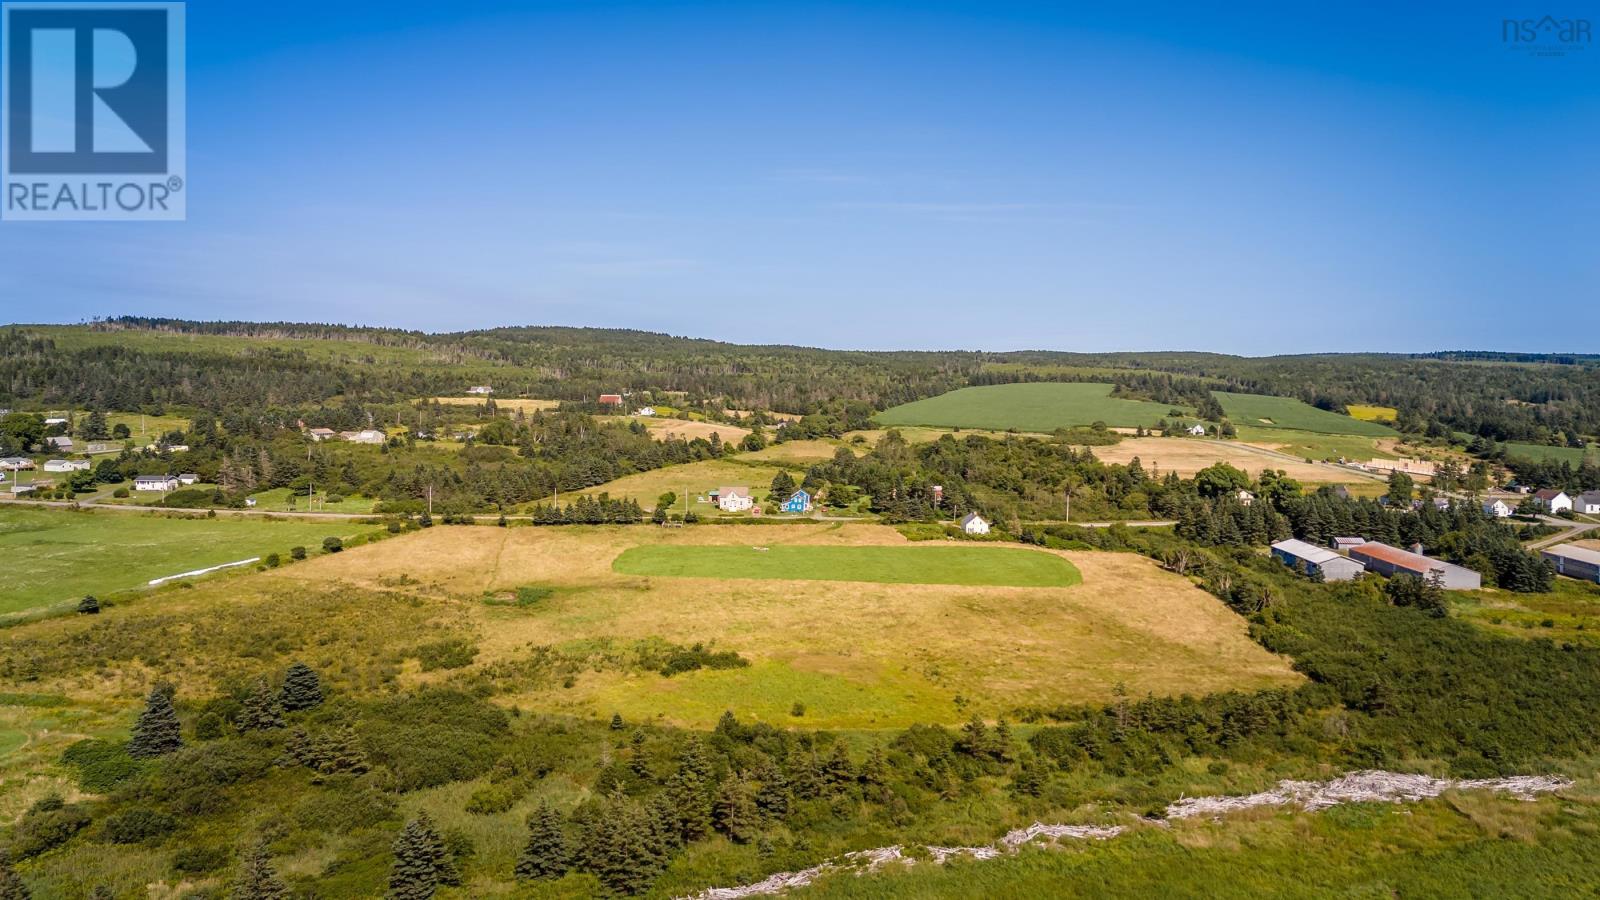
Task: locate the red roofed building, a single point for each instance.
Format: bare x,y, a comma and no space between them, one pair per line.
1390,561
610,399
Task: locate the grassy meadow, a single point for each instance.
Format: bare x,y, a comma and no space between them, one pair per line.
1187,456
692,481
1545,452
57,556
1003,566
1313,445
858,654
1260,410
1039,407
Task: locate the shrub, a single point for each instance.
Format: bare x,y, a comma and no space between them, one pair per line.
297,553
137,825
120,493
495,798
530,595
434,737
101,765
199,858
48,824
332,545
798,710
453,653
273,560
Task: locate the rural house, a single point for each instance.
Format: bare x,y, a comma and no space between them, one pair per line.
1311,559
1552,500
365,436
972,523
1343,544
646,411
1496,509
322,434
610,399
64,444
1390,561
1588,502
1197,430
1245,498
798,502
188,478
66,465
734,499
14,463
155,483
480,389
1574,562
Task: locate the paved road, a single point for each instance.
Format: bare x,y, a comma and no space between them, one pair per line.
1571,532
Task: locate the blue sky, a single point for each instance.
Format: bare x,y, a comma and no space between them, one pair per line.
931,175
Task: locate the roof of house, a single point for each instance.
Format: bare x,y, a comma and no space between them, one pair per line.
1581,554
733,492
189,475
154,478
800,493
1403,559
610,398
1309,552
1350,540
971,517
1590,496
1549,494
322,431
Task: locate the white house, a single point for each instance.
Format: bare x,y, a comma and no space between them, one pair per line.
1497,509
155,483
480,389
1246,498
646,411
55,420
1588,502
66,465
1552,500
734,499
972,523
365,436
188,478
16,462
322,434
1197,430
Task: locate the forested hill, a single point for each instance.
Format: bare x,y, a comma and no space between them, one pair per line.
133,363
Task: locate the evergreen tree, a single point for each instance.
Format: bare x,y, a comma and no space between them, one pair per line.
261,711
838,771
302,689
11,885
616,721
256,879
736,814
157,731
420,862
545,855
89,606
782,485
691,790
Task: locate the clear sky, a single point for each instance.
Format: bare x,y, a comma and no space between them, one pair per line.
1290,177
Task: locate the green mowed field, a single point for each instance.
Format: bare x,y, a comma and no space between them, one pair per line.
1027,407
1312,445
55,556
1286,412
1545,453
994,566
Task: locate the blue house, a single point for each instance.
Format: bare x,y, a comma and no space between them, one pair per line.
798,502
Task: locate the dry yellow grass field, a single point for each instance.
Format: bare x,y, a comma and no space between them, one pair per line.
662,428
1187,456
800,453
506,403
858,655
693,479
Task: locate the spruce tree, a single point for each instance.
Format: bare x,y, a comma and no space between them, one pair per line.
11,886
545,855
157,731
736,814
838,771
302,689
89,606
616,721
261,711
420,862
257,879
691,790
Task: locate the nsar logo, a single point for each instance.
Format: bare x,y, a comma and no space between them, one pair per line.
93,123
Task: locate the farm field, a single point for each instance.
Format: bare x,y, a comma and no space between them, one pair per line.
1040,407
1543,452
861,655
56,556
1187,456
664,428
1369,413
1004,566
524,404
1260,410
1314,445
278,499
798,453
695,479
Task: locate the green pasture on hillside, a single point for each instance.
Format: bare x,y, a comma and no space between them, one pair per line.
1000,566
1028,407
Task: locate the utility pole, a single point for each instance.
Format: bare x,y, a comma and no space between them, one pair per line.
430,500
